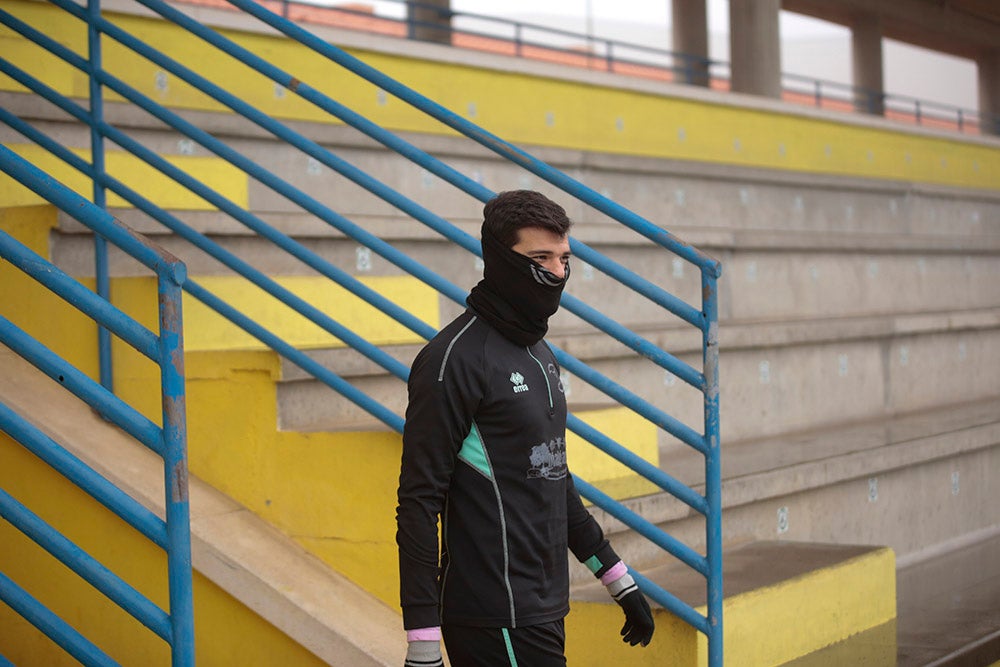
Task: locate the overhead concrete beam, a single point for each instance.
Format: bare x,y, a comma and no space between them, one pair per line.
964,28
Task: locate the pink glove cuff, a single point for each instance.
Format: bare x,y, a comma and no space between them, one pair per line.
424,634
616,572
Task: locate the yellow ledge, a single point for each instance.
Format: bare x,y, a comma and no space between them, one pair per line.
206,330
150,183
766,626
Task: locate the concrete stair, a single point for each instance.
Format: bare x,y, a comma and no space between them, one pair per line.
910,482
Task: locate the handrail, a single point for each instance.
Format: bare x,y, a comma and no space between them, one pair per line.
89,568
705,319
506,150
391,141
168,441
651,58
710,269
94,56
428,218
574,305
54,627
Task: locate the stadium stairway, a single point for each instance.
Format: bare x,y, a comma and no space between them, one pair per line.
860,378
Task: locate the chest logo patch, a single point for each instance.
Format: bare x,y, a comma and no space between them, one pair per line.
548,460
517,380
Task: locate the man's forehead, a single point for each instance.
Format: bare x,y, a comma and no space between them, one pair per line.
541,239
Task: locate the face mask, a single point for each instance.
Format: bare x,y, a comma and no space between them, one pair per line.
517,295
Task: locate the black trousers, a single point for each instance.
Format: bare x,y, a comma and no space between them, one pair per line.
532,646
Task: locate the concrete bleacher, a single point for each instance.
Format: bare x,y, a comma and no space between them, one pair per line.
860,341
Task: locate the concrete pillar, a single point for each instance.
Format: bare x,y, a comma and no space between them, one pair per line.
866,56
988,67
429,20
755,47
690,29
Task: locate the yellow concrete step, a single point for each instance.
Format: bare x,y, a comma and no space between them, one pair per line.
591,464
206,330
783,600
149,182
259,598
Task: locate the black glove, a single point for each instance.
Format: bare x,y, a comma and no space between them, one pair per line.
638,628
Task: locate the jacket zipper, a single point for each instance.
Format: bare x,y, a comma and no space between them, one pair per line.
548,387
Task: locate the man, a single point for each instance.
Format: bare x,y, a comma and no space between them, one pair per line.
484,449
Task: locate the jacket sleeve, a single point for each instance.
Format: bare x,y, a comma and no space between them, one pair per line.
586,539
442,401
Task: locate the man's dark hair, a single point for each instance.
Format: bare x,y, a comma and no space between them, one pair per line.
510,211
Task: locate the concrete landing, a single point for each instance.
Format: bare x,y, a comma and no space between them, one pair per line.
948,614
783,600
950,607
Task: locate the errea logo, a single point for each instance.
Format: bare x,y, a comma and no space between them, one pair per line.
518,381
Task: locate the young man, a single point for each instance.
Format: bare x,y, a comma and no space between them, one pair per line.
484,449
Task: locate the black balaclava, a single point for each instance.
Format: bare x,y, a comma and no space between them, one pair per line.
517,295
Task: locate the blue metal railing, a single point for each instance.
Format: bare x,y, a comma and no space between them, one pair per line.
170,442
704,318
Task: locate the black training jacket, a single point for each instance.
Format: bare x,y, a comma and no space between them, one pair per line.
484,448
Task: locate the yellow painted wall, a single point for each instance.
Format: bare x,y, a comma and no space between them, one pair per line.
227,632
531,110
627,429
31,306
333,493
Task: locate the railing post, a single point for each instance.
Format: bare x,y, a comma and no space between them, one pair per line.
713,467
171,340
97,160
